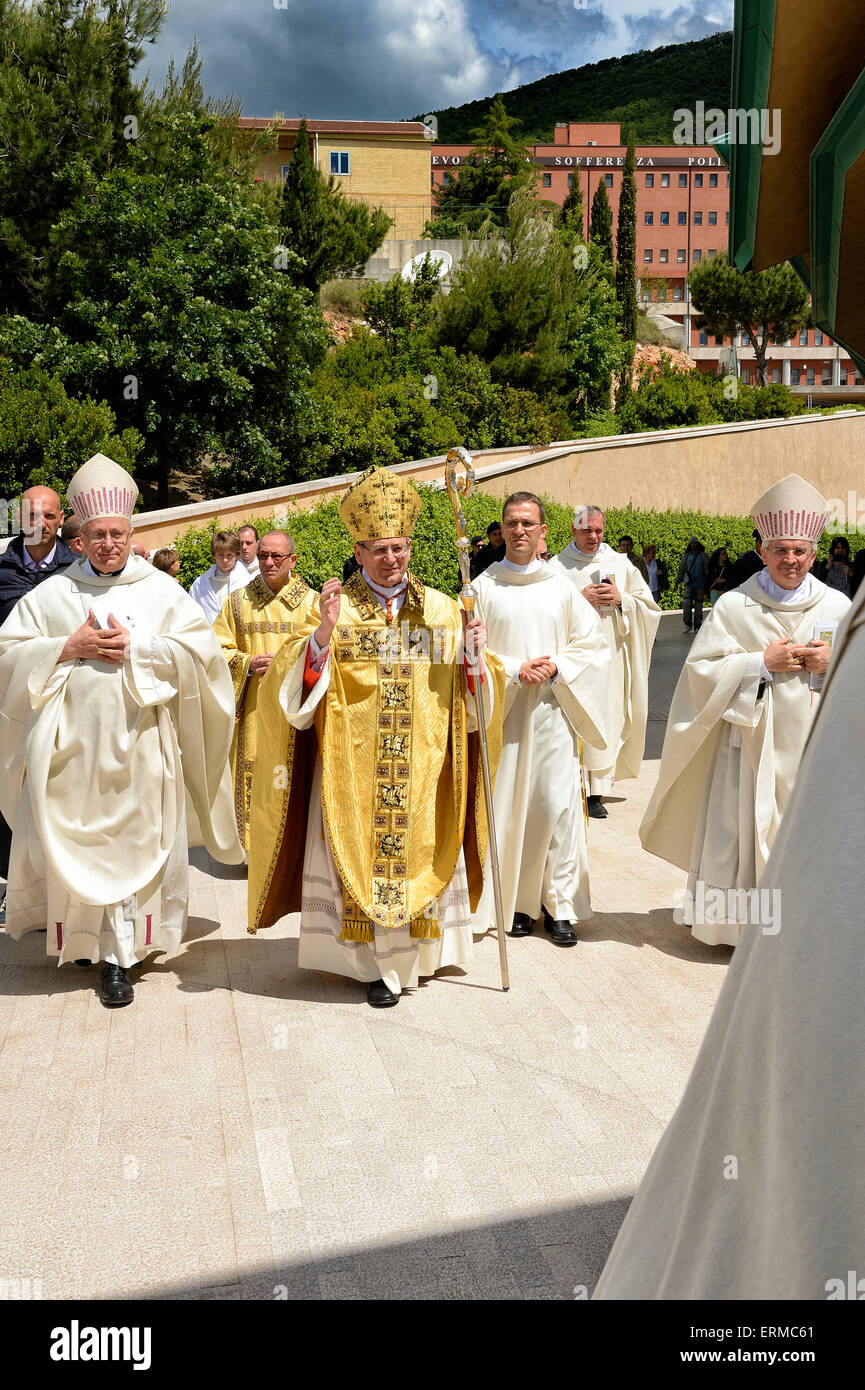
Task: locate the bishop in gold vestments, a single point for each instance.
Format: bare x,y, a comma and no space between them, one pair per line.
253,624
392,839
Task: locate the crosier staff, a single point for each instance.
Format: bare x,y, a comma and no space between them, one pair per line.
459,488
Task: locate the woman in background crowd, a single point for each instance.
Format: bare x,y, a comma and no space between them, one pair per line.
719,573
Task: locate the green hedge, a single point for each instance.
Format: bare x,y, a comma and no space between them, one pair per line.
323,544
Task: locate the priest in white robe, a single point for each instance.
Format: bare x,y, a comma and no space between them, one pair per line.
622,599
557,665
757,1188
739,719
116,717
384,856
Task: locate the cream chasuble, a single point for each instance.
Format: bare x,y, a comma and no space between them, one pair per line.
538,798
778,1083
731,753
110,771
395,828
630,633
254,621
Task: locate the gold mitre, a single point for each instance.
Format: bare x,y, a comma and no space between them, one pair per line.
791,510
102,488
380,505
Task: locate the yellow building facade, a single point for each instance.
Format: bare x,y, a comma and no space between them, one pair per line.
385,164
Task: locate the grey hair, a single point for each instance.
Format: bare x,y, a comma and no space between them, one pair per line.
582,514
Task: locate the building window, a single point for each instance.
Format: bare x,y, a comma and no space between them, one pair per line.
546,180
677,291
745,376
682,218
663,257
665,219
744,340
727,218
818,338
608,180
713,219
698,256
719,342
713,180
662,291
698,219
827,374
284,172
803,338
711,253
704,338
648,218
340,162
665,180
683,180
698,180
591,142
570,180
650,180
728,180
647,255
446,178
794,376
776,376
809,377
681,254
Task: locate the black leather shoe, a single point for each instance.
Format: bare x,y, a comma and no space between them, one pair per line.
522,925
85,964
379,996
115,988
562,933
596,808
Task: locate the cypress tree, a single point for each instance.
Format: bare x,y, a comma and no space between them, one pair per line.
626,260
303,216
572,209
601,229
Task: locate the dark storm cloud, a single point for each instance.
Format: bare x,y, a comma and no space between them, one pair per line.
387,59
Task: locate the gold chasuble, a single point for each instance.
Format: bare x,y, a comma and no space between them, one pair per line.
253,621
400,790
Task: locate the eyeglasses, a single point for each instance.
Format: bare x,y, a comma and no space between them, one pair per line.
379,552
269,555
798,552
526,525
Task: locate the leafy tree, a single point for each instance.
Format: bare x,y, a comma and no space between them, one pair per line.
666,396
172,304
331,235
66,90
601,226
498,167
596,352
45,435
769,305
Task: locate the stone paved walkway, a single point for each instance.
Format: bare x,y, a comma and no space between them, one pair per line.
255,1131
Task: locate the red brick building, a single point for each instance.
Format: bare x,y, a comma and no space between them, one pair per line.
683,209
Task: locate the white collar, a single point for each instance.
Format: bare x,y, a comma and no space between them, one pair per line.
584,555
530,567
380,589
768,585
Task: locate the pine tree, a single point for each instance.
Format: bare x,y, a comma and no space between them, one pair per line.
497,168
601,228
332,235
626,246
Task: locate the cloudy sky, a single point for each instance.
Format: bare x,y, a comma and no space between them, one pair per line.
391,59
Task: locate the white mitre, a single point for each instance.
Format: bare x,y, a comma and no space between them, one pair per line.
102,488
791,510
